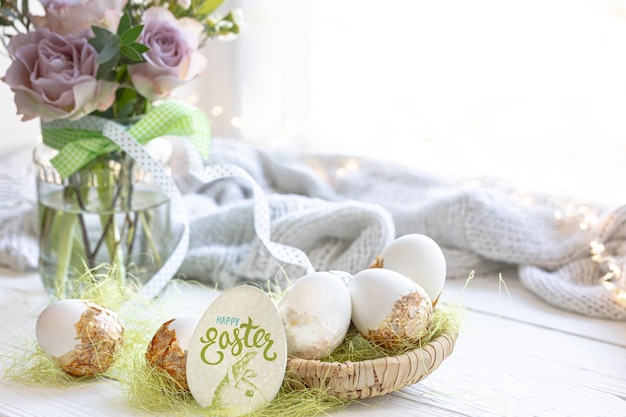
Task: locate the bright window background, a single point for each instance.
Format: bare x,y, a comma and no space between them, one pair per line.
530,91
527,91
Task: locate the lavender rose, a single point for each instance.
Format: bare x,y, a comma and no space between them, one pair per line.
173,58
74,16
54,76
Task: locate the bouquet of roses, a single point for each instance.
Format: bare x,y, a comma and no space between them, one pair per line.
76,64
111,58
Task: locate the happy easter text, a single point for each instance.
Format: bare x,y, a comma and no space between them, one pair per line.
227,320
246,335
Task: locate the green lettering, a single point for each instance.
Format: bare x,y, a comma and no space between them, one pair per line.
237,345
208,341
247,335
248,327
270,342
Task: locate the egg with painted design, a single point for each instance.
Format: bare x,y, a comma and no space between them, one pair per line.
388,308
316,311
81,337
167,351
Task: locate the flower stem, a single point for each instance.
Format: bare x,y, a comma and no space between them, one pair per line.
148,232
67,223
110,228
83,229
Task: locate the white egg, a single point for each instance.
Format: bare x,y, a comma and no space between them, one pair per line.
56,327
389,308
316,311
419,258
168,348
80,336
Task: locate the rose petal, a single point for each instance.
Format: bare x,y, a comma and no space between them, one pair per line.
53,76
173,57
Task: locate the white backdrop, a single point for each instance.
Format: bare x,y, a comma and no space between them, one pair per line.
14,134
531,91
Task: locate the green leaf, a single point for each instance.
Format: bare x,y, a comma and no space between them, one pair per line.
108,53
105,70
125,101
139,47
206,7
125,24
125,95
130,53
102,33
98,43
131,34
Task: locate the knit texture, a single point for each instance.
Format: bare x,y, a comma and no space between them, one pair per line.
18,228
342,211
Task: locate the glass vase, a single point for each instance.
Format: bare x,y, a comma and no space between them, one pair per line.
106,222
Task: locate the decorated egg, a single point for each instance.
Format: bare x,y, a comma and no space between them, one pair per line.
419,258
315,311
168,348
389,308
79,336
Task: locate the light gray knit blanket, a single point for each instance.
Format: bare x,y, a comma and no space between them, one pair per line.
342,211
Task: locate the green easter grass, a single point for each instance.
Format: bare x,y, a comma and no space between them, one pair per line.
147,389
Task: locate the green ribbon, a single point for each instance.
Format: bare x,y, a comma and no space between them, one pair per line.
78,142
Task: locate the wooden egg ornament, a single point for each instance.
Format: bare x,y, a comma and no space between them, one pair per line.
81,337
168,348
388,308
419,258
316,311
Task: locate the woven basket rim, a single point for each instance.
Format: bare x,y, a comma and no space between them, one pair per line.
443,335
372,377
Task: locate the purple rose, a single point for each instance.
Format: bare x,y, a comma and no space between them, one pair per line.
74,16
54,76
173,58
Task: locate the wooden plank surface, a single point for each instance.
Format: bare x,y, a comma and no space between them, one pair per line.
508,298
515,356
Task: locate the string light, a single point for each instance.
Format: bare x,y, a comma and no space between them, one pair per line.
193,99
350,165
614,279
613,273
217,110
590,220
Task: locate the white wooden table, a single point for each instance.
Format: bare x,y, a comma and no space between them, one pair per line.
516,356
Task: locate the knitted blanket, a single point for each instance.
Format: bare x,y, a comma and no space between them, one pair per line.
342,211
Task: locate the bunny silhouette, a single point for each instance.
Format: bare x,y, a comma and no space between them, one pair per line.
236,387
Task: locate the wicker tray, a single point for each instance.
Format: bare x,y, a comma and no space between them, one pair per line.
355,380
